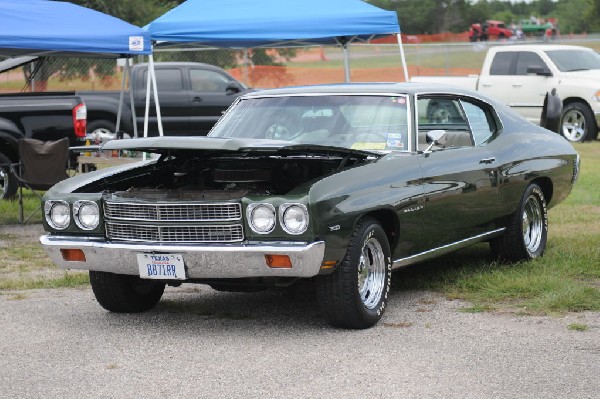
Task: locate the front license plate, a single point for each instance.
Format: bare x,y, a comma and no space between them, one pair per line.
161,266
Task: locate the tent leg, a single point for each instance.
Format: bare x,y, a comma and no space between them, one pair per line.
121,95
346,63
155,90
399,36
147,107
131,101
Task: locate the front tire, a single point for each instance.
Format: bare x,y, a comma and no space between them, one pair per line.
121,293
578,123
356,294
8,181
527,229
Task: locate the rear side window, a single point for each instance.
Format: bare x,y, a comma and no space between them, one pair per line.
167,79
503,63
481,122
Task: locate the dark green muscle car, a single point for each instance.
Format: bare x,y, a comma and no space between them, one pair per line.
339,184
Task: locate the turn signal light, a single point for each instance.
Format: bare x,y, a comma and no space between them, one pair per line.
278,261
73,255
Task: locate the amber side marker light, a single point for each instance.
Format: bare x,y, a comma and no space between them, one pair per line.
329,264
73,255
278,261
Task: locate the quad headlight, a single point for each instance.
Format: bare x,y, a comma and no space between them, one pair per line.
294,218
87,214
58,214
261,218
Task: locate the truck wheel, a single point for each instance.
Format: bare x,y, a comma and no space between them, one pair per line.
356,294
101,126
527,229
125,294
8,182
578,123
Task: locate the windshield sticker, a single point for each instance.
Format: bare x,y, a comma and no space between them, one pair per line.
401,100
368,146
394,140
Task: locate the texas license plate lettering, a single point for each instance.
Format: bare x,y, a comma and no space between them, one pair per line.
161,266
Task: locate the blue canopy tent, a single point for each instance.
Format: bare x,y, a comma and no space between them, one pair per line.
275,23
41,28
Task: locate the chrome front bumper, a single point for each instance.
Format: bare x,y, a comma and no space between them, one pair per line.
201,261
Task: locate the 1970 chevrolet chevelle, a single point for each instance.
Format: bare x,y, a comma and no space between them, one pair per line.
339,184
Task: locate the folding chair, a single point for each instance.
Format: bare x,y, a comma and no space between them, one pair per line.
42,165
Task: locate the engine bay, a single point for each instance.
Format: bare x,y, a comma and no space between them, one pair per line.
220,177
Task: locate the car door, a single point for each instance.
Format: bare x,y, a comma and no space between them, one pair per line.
172,99
529,88
211,93
510,82
459,178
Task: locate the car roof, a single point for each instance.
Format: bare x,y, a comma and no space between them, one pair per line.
364,88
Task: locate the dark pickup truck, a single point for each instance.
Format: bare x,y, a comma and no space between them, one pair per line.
43,116
192,97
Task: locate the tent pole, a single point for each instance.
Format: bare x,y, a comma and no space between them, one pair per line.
121,95
346,63
399,36
155,89
147,106
131,101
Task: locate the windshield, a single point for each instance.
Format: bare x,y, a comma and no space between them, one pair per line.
362,122
574,60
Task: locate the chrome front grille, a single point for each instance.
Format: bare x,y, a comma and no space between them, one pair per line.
189,212
163,222
174,233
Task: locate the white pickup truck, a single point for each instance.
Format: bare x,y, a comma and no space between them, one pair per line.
521,75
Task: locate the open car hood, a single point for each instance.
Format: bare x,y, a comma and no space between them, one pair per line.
185,145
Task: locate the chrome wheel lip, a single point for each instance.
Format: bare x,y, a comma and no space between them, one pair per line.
533,224
3,182
573,126
371,273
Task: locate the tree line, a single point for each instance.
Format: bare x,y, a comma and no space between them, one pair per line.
433,16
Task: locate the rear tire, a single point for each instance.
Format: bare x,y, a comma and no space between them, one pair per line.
527,229
578,123
101,126
125,294
356,294
8,181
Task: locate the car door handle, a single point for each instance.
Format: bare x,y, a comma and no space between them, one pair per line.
487,160
486,84
517,85
197,99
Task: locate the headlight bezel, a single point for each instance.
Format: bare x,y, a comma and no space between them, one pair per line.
283,210
77,209
250,212
49,207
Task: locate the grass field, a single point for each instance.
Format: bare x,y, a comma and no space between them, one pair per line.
566,279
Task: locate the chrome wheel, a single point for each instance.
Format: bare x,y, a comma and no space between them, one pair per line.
371,273
573,125
533,224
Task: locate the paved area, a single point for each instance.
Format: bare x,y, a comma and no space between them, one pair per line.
202,343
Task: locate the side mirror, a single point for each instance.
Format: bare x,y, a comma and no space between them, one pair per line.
539,70
436,137
232,88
